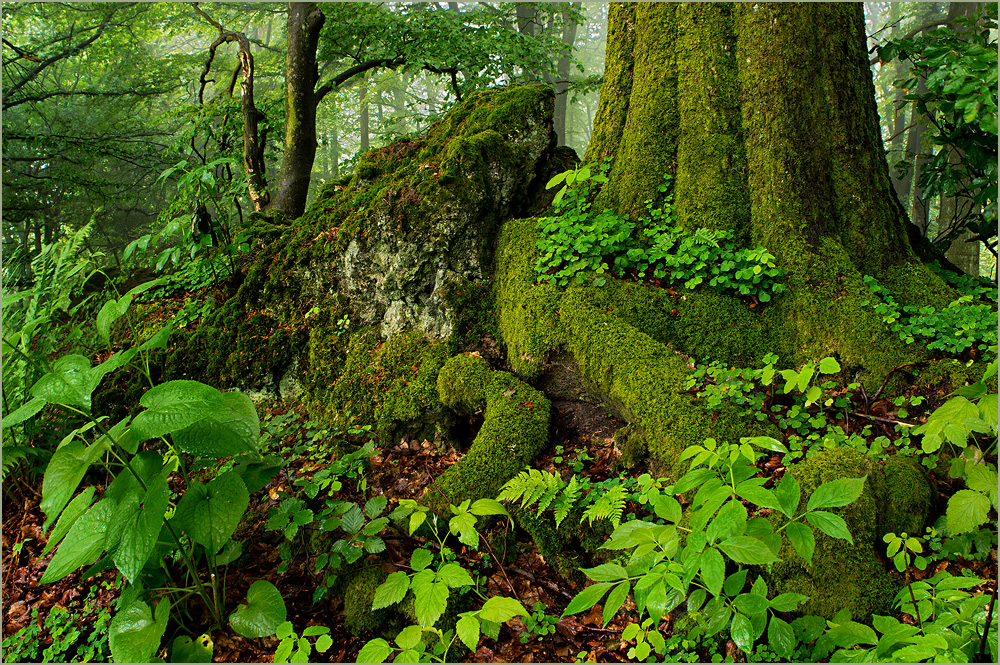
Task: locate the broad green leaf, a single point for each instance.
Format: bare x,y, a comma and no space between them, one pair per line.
805,376
751,603
838,492
735,582
110,312
758,496
186,650
788,493
147,464
813,394
829,366
730,521
742,632
488,507
73,511
420,559
232,428
606,572
766,443
83,544
713,570
981,478
119,359
375,651
499,609
409,637
431,601
967,511
210,513
693,479
464,526
454,575
850,633
830,524
159,339
468,631
174,405
63,475
135,633
667,508
718,617
781,637
744,549
26,411
615,601
137,521
323,642
802,539
70,382
787,602
392,590
375,505
263,613
988,410
587,598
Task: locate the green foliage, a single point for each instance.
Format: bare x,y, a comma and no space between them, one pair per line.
431,583
295,648
78,634
133,522
538,624
577,242
958,68
950,625
960,326
662,573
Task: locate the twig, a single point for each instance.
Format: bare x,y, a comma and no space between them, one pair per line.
986,628
883,420
889,376
551,585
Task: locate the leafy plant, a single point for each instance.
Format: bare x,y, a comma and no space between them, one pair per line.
431,584
133,518
960,326
578,241
78,635
538,624
661,573
294,648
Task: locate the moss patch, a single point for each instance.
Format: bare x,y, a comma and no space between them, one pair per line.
845,575
515,428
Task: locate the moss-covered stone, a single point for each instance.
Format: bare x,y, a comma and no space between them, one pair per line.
358,591
850,576
515,428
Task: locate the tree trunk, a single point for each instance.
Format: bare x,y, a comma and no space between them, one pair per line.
304,23
562,70
363,128
794,163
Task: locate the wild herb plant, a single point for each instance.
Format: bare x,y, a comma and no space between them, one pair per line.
432,581
538,623
295,648
577,241
133,523
960,326
661,573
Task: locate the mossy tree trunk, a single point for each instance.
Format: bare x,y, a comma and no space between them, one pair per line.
766,115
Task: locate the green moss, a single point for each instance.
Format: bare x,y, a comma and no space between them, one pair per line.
472,313
641,376
515,428
390,384
842,574
358,591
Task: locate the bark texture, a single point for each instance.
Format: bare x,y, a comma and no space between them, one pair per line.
304,23
766,115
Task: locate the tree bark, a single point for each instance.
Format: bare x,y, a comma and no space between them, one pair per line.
304,23
794,163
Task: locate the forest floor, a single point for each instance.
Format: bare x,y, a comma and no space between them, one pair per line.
582,441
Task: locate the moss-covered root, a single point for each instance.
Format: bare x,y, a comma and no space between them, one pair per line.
515,428
896,498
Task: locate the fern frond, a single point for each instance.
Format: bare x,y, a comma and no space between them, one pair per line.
567,499
530,486
610,505
704,236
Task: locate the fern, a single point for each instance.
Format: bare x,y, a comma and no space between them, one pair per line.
703,236
567,499
610,505
532,486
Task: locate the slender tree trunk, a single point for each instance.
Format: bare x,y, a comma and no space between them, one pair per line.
304,23
562,71
794,163
363,119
